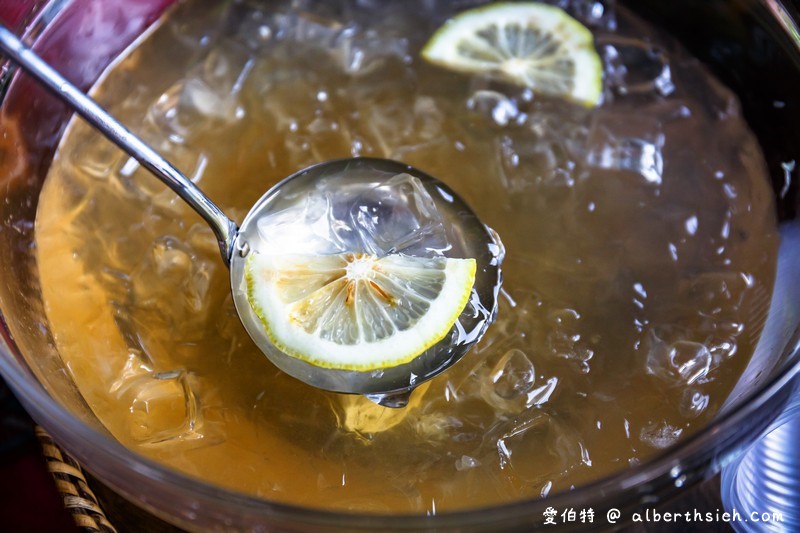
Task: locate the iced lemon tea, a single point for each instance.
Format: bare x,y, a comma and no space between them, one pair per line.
640,249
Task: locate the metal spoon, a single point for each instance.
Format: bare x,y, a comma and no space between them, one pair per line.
466,237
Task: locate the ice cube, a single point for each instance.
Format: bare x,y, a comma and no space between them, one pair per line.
190,277
627,141
386,126
162,408
250,26
538,448
513,375
96,157
678,362
207,99
225,70
308,227
496,106
539,150
465,462
360,52
711,292
660,434
174,111
428,119
463,430
564,341
541,394
301,26
507,386
399,216
593,13
137,365
634,67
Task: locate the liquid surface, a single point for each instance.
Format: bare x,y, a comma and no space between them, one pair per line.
640,241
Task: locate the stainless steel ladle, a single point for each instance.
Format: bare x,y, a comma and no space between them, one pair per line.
467,236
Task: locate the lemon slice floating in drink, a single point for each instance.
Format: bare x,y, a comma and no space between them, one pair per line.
529,44
357,311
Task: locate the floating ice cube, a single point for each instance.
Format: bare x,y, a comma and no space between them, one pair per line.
207,98
564,340
513,375
501,109
250,26
163,408
542,393
678,362
627,141
362,52
226,69
465,462
660,434
306,27
137,365
536,446
593,13
399,215
712,291
634,67
96,158
190,277
508,385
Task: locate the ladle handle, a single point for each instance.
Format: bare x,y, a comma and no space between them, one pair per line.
224,228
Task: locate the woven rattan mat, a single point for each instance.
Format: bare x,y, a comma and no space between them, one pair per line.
71,483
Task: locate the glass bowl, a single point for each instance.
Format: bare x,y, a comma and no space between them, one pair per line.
753,46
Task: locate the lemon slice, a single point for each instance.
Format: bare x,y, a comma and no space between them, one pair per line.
533,45
356,311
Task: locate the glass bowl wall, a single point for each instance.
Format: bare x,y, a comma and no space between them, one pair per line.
753,46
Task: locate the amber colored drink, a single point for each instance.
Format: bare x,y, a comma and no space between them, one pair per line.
640,240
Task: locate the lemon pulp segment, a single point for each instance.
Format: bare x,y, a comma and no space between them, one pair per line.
356,311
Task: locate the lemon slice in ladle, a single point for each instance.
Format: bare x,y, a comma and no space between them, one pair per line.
356,311
529,44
